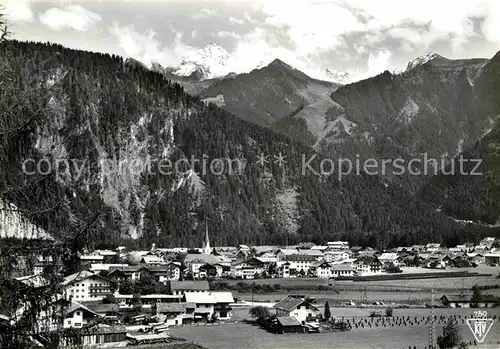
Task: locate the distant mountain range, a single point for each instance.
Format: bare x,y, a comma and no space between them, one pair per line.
93,107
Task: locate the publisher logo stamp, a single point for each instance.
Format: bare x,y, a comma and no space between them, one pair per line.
480,325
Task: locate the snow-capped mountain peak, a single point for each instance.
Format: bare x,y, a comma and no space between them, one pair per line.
338,77
209,61
423,60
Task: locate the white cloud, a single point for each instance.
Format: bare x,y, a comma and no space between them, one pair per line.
228,34
311,26
145,48
18,11
236,21
491,27
74,17
204,13
379,62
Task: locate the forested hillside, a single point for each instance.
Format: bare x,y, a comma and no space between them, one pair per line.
86,107
266,95
431,108
475,197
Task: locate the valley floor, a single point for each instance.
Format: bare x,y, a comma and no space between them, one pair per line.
246,336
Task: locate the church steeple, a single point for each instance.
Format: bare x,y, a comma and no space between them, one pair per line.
206,243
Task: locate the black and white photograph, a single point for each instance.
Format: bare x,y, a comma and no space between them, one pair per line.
261,174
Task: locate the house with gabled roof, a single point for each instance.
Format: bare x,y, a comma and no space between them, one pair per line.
109,312
466,301
152,260
368,265
437,261
174,314
86,286
299,263
433,247
248,268
194,261
209,305
323,270
389,258
342,270
72,314
297,307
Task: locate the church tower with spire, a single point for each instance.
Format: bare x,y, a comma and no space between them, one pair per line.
206,243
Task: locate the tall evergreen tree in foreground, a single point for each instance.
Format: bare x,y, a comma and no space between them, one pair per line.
327,313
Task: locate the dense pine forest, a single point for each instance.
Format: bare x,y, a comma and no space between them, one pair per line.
59,103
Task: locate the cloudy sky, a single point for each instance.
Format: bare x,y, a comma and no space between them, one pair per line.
362,37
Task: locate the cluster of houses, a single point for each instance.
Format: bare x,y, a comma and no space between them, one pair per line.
92,294
334,260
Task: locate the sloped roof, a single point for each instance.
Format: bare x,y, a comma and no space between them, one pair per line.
174,307
152,259
209,297
288,321
91,257
387,255
82,275
323,264
288,303
77,306
188,285
300,257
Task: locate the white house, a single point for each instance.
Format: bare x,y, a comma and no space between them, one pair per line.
299,263
211,304
79,315
492,259
368,266
297,307
432,247
152,260
324,270
248,268
86,286
336,256
389,258
342,270
194,261
69,315
284,270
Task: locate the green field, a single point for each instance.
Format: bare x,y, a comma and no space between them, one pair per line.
242,313
417,291
244,336
448,283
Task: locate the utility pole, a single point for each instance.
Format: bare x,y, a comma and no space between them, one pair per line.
432,325
252,295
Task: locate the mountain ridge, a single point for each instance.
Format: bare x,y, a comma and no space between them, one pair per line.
93,107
